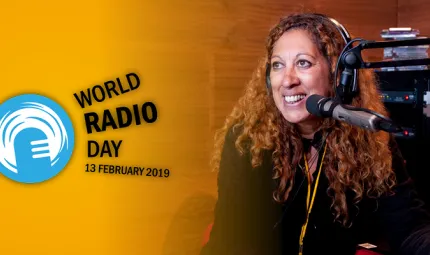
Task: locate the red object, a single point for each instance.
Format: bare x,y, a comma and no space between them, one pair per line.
208,230
366,252
407,97
207,234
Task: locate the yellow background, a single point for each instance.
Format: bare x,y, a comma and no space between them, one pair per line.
57,49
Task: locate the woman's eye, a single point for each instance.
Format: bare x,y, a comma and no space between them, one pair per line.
303,63
276,65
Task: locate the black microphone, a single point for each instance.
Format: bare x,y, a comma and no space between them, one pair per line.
328,108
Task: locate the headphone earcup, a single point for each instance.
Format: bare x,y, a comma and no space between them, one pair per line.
268,84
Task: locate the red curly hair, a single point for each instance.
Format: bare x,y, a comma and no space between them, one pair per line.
357,160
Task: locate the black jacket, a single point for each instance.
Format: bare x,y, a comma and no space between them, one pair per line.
248,221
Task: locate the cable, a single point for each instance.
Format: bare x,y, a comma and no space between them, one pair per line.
324,140
340,58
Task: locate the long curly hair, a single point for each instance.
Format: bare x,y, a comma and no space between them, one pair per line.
357,160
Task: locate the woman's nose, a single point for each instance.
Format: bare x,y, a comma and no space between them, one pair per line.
290,78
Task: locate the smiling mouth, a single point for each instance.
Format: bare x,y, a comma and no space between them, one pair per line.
294,99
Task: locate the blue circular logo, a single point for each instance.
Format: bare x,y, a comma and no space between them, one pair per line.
36,138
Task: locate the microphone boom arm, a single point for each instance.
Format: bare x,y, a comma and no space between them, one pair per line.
352,58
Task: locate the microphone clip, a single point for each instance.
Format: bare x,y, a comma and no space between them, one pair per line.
329,112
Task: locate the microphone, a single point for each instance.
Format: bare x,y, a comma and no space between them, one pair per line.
328,108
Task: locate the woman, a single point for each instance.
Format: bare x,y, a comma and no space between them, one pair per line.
271,154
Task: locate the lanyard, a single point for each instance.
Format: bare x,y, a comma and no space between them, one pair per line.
309,204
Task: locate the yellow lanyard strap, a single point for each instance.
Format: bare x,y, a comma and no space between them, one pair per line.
310,205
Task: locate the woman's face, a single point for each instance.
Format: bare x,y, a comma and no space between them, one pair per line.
298,70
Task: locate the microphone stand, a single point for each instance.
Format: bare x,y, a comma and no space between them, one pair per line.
352,60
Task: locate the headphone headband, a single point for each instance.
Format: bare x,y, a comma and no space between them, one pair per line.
342,30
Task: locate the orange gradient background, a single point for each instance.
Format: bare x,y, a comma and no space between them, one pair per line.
193,59
57,49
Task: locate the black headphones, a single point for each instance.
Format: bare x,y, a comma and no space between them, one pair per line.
348,87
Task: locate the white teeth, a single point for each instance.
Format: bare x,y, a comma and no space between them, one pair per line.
293,99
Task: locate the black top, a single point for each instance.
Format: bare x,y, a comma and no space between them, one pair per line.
248,220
